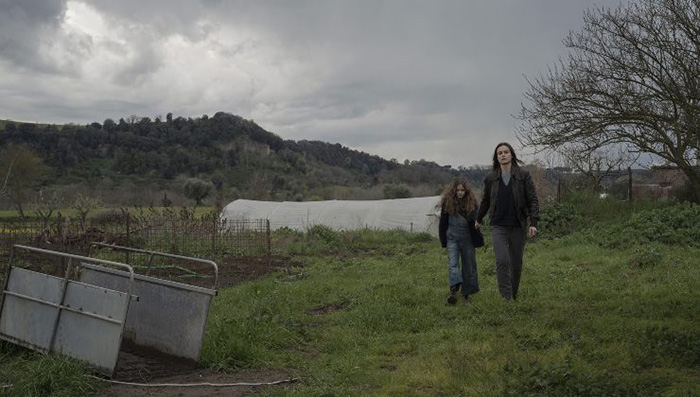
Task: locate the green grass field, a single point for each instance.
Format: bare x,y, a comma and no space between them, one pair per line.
366,315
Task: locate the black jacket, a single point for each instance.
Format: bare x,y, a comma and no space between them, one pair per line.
524,195
477,237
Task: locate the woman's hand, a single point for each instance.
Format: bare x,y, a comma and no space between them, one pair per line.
533,231
477,224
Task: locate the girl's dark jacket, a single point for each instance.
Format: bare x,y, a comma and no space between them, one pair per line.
526,203
477,237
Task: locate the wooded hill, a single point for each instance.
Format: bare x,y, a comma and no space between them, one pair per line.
235,156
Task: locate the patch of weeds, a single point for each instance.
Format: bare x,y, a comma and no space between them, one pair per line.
534,341
324,234
559,379
659,346
422,237
646,256
34,374
350,262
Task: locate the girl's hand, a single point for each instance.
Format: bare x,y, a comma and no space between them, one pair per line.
477,224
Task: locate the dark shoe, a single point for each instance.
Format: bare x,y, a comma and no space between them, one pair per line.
452,299
466,298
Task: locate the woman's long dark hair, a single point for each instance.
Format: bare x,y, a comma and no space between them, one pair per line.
514,162
449,202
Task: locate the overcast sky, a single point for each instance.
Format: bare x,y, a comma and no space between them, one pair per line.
406,79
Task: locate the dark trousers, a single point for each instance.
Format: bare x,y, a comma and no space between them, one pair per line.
508,247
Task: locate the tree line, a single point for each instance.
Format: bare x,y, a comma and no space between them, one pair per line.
224,155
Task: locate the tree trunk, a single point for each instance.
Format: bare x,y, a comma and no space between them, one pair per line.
693,174
20,209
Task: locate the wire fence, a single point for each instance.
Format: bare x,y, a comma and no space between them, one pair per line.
177,233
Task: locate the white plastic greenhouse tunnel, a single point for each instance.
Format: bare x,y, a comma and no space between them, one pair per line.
419,214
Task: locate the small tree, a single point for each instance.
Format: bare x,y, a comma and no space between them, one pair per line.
595,165
84,205
22,170
197,190
45,203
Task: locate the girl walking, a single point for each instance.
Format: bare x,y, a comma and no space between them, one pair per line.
459,235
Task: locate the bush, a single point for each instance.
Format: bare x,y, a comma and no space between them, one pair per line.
396,191
645,256
559,219
673,225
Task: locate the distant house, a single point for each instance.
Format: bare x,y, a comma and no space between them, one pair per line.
663,181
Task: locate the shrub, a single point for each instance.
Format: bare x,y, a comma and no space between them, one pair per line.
559,379
672,225
647,256
559,219
396,191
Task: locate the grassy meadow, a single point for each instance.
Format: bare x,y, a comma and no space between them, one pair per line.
608,306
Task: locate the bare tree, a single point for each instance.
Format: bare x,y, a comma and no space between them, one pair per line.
597,164
8,173
45,203
632,76
84,205
24,170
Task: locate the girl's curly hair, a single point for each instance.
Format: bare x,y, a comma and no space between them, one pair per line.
449,202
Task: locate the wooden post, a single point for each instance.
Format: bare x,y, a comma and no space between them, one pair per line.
559,190
213,237
128,235
269,238
629,184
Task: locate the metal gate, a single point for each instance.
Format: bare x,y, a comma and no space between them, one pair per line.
169,316
56,314
97,305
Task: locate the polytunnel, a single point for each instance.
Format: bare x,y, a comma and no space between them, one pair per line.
418,214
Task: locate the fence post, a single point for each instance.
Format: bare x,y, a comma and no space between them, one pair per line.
629,184
128,235
213,237
558,190
269,238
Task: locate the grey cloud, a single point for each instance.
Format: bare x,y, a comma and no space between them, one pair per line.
24,24
366,74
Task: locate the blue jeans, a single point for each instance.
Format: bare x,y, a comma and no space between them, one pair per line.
459,246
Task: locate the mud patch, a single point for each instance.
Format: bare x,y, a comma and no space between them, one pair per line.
143,364
235,269
327,309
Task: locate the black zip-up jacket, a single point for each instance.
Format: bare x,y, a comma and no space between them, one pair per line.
524,195
476,236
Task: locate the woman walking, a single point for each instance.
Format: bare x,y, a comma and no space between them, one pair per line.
457,234
510,198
